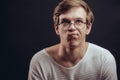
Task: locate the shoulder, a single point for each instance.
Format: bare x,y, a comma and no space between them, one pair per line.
105,59
98,49
44,56
94,47
101,53
40,65
52,50
38,57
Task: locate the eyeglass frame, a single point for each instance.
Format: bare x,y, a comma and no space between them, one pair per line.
68,24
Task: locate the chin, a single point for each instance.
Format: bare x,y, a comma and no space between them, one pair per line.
73,44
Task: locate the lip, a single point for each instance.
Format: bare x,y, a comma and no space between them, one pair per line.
72,36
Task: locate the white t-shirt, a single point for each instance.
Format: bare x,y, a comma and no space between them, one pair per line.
97,64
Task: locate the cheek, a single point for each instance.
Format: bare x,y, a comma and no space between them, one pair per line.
82,31
59,31
62,34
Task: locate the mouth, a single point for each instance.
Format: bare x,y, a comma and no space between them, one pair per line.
72,37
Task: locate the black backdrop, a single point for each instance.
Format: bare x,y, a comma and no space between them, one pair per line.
27,27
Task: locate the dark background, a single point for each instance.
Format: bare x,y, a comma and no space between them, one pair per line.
27,27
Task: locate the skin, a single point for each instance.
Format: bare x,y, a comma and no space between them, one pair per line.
73,45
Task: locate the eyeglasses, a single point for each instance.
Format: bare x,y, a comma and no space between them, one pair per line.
65,24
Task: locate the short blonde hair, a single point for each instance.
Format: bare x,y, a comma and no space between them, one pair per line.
66,5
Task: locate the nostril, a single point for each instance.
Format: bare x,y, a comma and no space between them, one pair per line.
72,27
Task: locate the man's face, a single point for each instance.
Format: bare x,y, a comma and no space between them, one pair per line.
74,34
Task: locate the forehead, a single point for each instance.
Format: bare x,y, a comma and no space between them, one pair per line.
73,13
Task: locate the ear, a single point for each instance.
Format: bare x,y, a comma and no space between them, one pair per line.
88,28
56,29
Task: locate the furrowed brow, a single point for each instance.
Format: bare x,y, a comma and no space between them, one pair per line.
65,20
79,18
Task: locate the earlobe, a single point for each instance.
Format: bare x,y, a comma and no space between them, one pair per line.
88,28
56,30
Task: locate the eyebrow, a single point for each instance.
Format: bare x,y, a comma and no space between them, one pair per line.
80,18
64,19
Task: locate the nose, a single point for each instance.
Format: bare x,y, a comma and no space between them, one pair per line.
72,27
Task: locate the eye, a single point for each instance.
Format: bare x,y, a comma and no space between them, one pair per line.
78,21
65,22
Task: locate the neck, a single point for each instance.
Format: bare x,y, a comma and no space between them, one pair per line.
72,54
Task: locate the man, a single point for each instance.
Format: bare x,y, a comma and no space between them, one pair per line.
73,58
